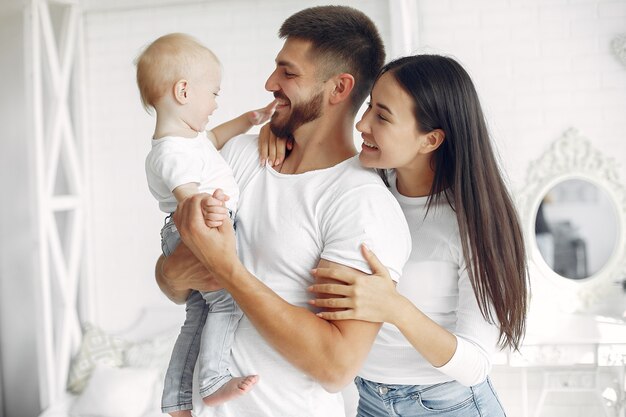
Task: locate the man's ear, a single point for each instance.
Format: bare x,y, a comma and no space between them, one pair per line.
180,91
342,87
432,141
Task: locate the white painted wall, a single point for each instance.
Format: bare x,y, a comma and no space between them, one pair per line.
541,66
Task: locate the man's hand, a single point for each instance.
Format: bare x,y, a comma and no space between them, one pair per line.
214,247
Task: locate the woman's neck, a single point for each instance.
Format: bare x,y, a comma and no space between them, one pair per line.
415,181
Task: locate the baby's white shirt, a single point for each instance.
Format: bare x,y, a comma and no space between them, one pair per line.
174,161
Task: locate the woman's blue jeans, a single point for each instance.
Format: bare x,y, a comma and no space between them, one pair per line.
447,399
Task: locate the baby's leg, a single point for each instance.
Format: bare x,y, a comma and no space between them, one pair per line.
216,382
177,390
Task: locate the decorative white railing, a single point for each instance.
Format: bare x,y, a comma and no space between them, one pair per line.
55,79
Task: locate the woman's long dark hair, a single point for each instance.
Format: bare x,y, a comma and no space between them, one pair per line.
468,175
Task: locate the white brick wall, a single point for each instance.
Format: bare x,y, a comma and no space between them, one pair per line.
540,67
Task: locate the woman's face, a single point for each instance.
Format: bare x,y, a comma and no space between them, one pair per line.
388,127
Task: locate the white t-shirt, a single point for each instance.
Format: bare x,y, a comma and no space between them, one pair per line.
435,279
174,161
285,225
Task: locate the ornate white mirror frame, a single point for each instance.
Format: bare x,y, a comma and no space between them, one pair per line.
573,157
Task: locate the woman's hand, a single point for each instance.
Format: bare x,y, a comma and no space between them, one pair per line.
271,148
361,296
213,246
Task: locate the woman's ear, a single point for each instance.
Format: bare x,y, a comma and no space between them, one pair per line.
180,91
342,87
432,140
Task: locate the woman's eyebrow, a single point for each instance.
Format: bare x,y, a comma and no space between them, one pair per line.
382,106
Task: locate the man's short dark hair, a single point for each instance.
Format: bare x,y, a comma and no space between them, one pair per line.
345,40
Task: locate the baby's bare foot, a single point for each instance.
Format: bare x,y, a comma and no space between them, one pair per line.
184,413
233,388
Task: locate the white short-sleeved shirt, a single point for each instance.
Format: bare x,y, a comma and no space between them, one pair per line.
436,281
174,161
285,225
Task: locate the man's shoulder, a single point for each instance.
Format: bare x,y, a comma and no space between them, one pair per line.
247,144
242,155
362,190
354,175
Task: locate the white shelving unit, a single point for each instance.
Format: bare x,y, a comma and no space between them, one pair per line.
55,68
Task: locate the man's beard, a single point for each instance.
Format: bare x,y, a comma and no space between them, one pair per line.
300,114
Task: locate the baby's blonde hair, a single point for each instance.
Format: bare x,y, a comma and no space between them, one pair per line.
167,60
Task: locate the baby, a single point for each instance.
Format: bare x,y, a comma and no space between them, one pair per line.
180,79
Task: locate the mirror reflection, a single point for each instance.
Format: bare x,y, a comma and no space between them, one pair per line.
576,228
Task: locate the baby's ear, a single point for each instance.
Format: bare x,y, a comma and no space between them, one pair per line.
180,91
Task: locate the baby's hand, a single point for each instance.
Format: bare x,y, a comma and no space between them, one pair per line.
260,116
214,210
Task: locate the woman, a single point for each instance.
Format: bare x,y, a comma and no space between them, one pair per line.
464,288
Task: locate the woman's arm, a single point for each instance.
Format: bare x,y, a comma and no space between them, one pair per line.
465,356
375,298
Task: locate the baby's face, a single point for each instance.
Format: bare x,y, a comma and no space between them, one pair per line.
202,92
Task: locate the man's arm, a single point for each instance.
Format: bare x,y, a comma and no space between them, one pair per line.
329,351
178,296
180,273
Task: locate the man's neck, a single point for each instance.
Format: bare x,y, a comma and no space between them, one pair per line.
319,145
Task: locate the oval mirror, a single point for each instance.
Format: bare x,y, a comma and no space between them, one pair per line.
576,228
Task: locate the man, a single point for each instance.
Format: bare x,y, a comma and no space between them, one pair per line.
313,210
